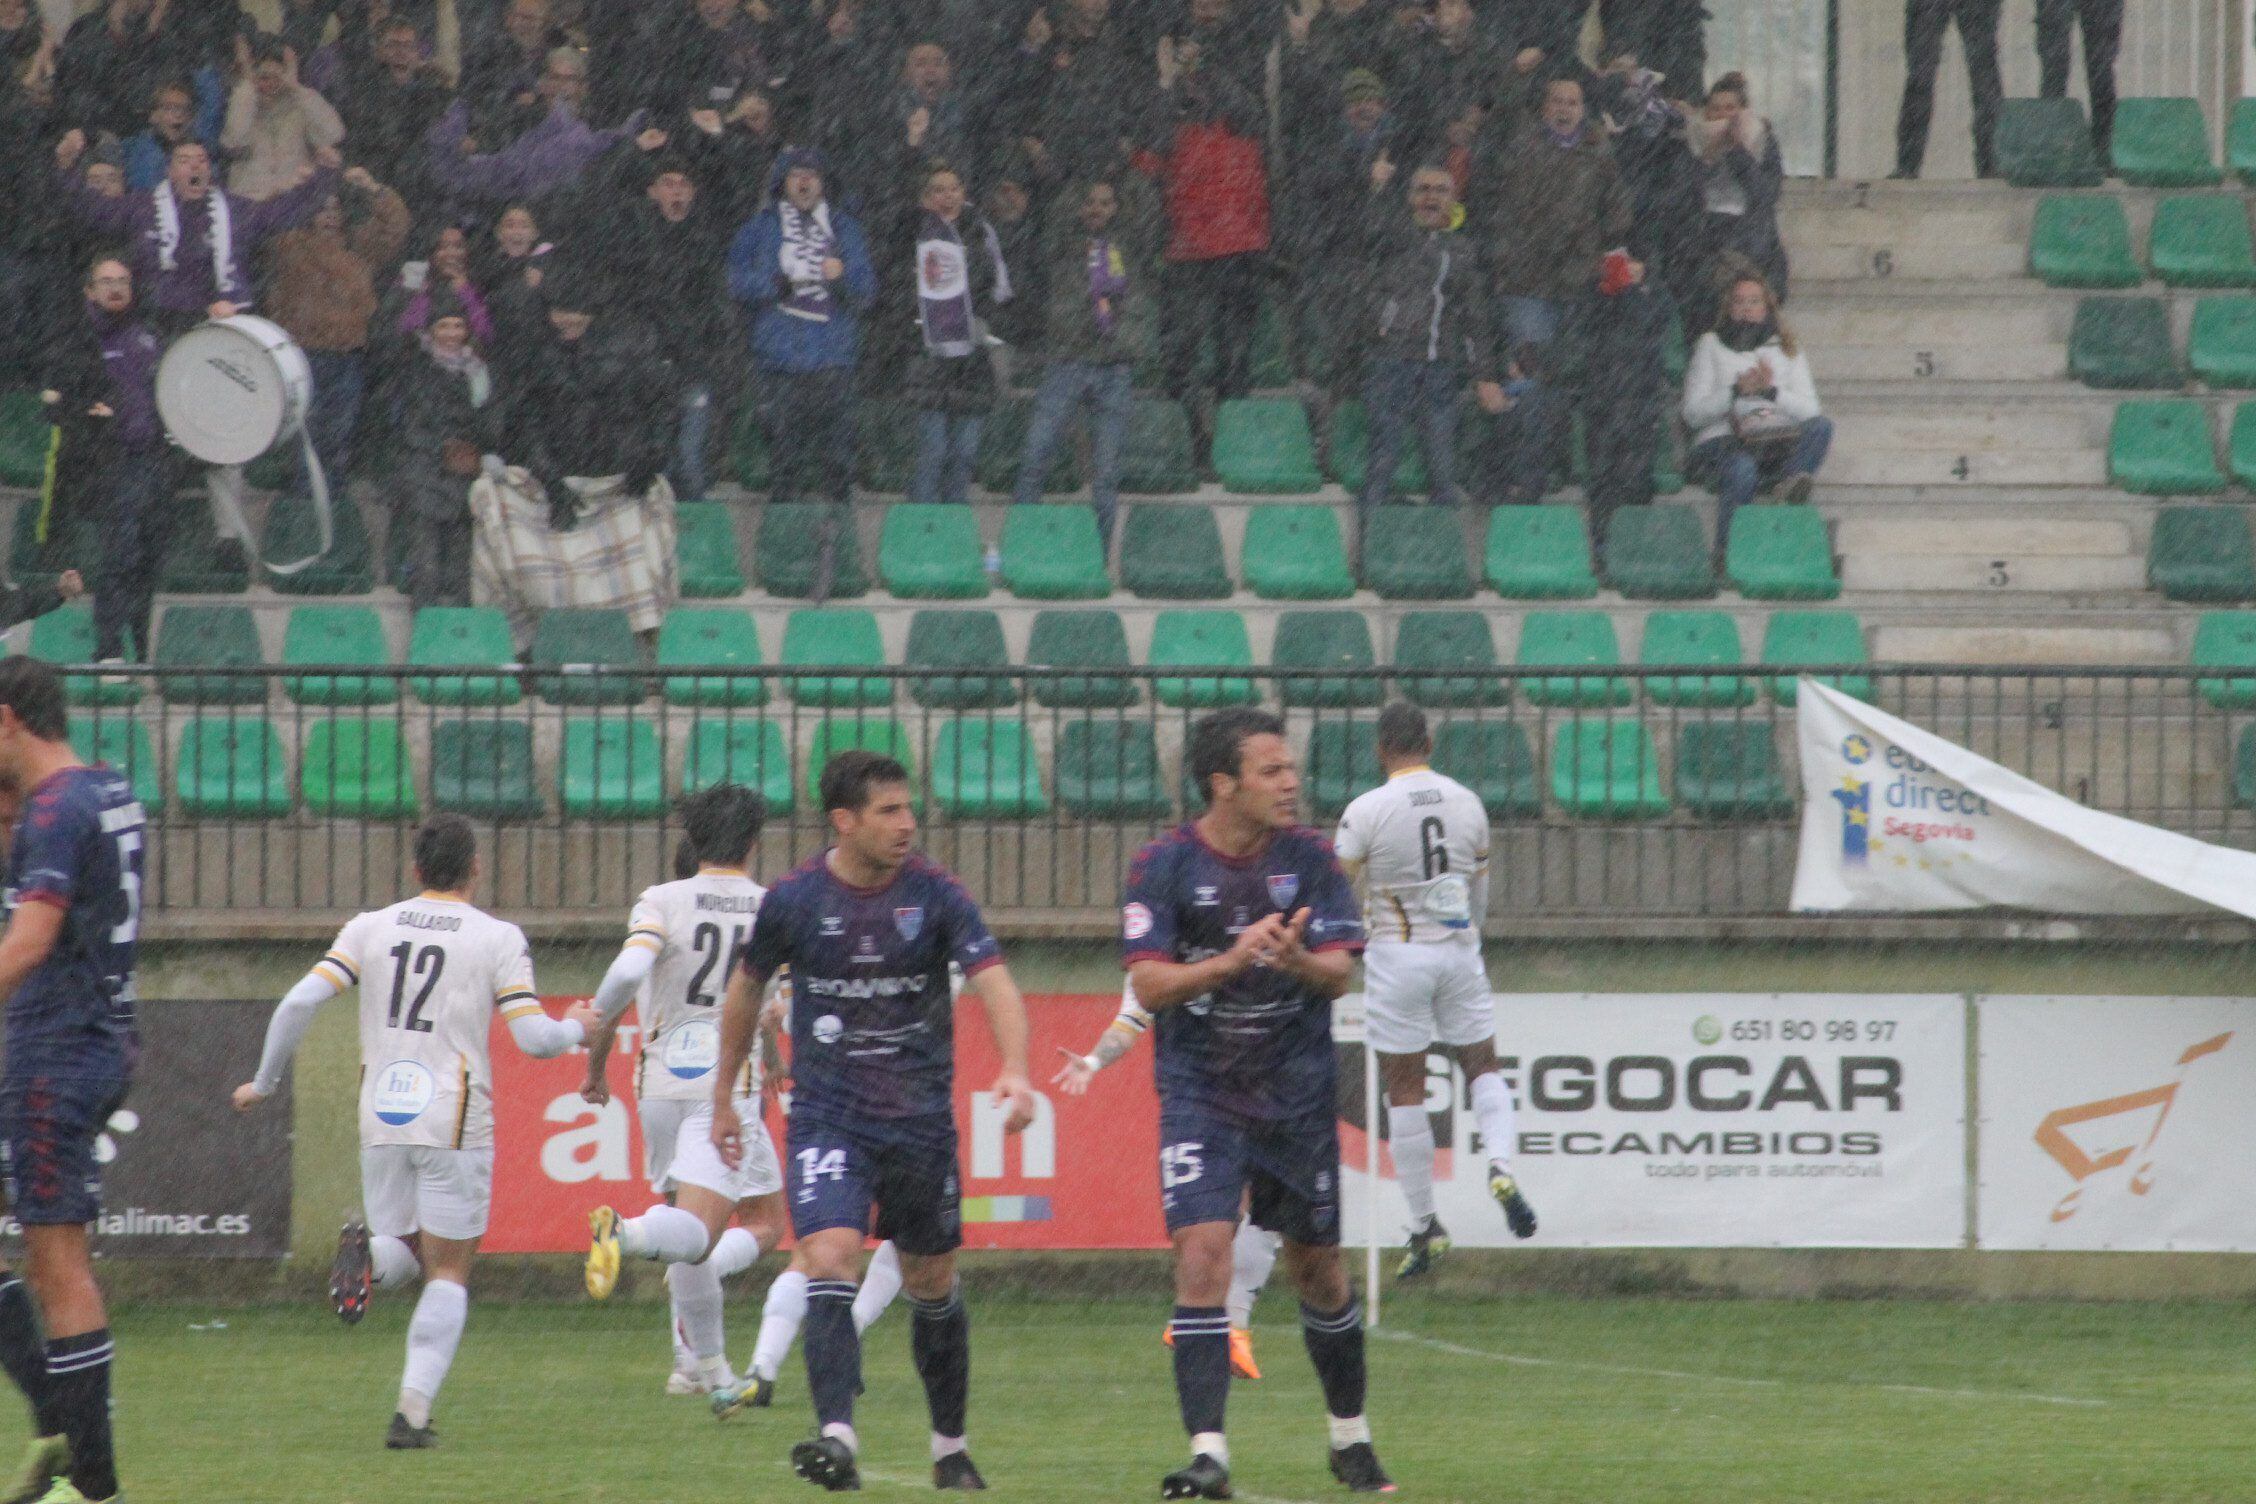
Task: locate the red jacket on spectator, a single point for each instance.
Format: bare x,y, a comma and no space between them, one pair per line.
1214,175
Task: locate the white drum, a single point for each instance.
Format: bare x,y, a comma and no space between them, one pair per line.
232,389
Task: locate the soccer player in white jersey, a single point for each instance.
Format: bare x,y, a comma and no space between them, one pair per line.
673,969
1419,843
1253,1254
432,971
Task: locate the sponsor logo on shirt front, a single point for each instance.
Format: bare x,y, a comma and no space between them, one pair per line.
403,1090
833,926
1205,896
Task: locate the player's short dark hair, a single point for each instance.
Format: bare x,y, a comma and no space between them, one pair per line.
1217,743
685,858
445,846
1402,731
723,821
34,691
848,778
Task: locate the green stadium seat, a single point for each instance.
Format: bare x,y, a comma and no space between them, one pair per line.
705,543
66,635
2241,457
2226,639
1343,761
2202,553
1202,639
232,768
985,769
1458,641
484,769
2240,141
337,635
1605,769
121,742
710,637
1668,458
2244,768
25,435
1109,770
1262,447
887,439
835,637
880,734
960,640
1295,553
1539,554
1797,640
1053,553
1729,770
1350,453
2046,143
1155,452
748,449
1676,356
1415,553
788,550
611,769
931,551
2083,241
2162,143
1572,639
2222,350
1659,552
1326,639
1495,761
294,533
462,637
354,768
591,658
2202,241
1002,444
1780,553
741,750
210,637
1173,551
2163,449
1694,639
193,562
1077,640
2124,344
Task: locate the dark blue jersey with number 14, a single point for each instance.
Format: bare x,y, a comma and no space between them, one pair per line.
79,844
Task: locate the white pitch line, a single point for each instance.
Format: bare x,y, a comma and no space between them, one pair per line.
1523,1361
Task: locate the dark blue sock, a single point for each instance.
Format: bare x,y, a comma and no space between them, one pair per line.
1335,1345
1202,1365
834,1350
940,1337
78,1375
23,1352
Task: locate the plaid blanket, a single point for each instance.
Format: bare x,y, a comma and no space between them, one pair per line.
620,555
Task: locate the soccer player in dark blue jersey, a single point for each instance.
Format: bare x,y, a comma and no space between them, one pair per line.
66,972
868,929
1238,931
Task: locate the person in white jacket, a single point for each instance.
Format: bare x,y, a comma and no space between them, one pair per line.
1746,364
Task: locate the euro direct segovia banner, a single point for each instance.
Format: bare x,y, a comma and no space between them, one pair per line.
1728,1120
2116,1123
1896,818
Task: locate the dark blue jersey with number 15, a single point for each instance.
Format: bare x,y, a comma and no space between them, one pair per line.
79,845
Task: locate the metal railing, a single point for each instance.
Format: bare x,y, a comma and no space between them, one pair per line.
1631,792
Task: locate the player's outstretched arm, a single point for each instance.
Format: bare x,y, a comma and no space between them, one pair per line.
284,1031
1118,1038
740,1026
544,1038
1005,1006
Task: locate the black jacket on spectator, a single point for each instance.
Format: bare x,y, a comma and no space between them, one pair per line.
104,78
385,121
1428,296
670,278
598,405
1080,98
436,406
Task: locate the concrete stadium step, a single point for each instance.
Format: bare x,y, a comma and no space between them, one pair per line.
1913,318
2038,360
1947,533
1995,555
2007,644
1946,470
1914,261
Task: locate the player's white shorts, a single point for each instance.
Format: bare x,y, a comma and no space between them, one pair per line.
677,1150
410,1188
1416,994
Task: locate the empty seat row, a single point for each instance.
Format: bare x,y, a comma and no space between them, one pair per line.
2199,240
2126,343
2166,448
2156,143
2202,553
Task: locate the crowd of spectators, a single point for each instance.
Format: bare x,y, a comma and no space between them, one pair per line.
585,237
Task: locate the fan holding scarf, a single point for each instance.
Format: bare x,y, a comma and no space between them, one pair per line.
951,381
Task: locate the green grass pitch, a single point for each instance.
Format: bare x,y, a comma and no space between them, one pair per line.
1473,1401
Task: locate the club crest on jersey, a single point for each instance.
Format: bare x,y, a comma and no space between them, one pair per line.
909,921
1282,887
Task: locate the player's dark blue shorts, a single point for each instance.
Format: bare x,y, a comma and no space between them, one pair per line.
1285,1173
906,1167
48,1128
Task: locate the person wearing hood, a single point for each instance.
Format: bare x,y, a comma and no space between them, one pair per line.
275,124
598,397
451,416
800,269
959,273
1742,177
1752,405
1548,201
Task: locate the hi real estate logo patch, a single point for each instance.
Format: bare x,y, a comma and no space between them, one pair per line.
1887,785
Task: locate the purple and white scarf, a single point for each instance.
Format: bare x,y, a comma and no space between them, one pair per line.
944,306
807,243
1108,279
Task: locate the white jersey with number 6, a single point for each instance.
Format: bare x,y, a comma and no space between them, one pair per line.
697,926
432,972
1421,840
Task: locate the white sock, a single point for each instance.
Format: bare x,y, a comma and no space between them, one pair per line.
1410,1135
1211,1444
779,1322
432,1337
947,1446
665,1235
1492,1110
392,1263
1346,1433
1252,1255
697,1307
736,1251
881,1281
845,1433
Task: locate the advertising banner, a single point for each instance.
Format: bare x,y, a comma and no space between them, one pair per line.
1895,818
1722,1120
2115,1123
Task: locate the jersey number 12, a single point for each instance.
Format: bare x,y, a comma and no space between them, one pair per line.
429,964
